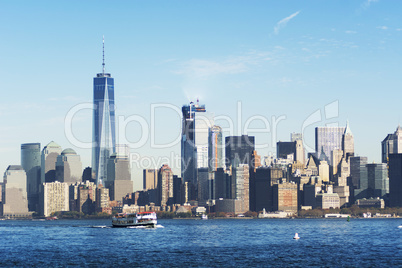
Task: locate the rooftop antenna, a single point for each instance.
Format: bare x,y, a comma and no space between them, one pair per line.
103,54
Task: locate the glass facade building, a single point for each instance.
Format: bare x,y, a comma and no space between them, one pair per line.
215,149
31,163
328,139
194,143
103,129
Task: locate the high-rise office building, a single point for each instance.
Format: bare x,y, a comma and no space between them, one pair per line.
239,150
387,147
68,167
378,183
284,196
328,139
285,148
395,180
14,201
392,144
102,200
30,162
397,142
48,163
165,186
348,144
194,143
240,183
204,186
215,148
119,175
358,170
299,151
373,180
54,196
103,129
221,184
150,179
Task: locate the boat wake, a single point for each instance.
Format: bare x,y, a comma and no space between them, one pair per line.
145,227
100,226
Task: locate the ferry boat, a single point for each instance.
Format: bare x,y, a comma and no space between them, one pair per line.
146,219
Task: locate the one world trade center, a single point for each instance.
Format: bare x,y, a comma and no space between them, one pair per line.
103,128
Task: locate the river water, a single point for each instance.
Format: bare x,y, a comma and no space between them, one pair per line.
203,243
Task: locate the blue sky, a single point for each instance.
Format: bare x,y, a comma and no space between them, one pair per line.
279,59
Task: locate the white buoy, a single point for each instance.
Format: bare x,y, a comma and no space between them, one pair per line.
296,236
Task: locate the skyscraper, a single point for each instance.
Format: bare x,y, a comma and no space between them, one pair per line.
392,144
348,144
48,165
327,139
119,174
14,201
68,167
194,143
30,162
103,129
150,179
165,186
215,155
395,180
239,150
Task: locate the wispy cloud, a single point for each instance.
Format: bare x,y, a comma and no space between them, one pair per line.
382,27
282,23
350,32
202,68
367,4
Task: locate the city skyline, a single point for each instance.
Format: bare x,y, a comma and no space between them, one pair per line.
277,59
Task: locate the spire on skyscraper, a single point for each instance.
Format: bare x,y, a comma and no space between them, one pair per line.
103,54
347,129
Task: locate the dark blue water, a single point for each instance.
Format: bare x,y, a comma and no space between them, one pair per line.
198,243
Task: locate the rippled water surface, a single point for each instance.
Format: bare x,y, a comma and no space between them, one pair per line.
200,243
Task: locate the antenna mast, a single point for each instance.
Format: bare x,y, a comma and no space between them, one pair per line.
103,54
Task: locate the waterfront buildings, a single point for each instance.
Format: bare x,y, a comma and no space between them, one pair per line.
68,167
327,200
14,202
54,196
103,128
285,197
370,203
31,163
48,162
